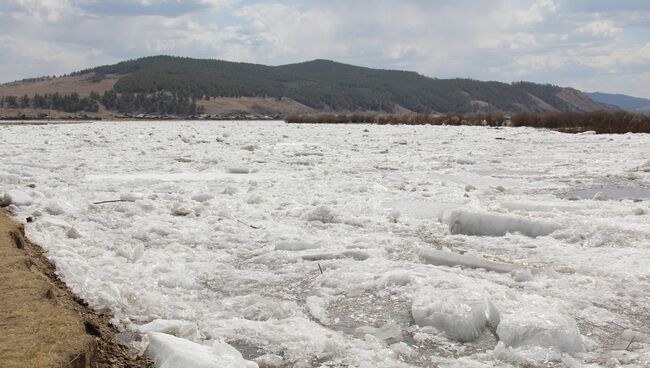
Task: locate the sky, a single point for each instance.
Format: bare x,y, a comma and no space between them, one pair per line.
592,45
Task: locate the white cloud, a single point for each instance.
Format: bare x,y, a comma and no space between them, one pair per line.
556,41
20,55
618,57
48,11
536,13
601,28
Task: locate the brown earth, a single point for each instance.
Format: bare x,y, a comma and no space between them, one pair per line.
64,85
101,114
42,323
257,105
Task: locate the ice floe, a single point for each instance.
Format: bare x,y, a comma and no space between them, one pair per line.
341,253
485,224
17,198
541,325
462,313
450,259
168,351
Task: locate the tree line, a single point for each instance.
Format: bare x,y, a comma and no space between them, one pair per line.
158,103
601,122
72,102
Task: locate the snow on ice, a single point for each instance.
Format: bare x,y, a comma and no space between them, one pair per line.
168,351
308,246
17,197
483,224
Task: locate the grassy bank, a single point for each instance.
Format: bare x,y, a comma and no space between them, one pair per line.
43,324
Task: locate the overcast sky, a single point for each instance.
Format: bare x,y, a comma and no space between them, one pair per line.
593,45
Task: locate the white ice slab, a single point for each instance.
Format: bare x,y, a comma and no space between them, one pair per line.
17,198
449,259
541,325
485,224
169,351
462,313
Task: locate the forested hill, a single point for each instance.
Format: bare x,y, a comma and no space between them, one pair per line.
330,86
178,86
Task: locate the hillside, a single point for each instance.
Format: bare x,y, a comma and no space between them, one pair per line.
314,86
625,102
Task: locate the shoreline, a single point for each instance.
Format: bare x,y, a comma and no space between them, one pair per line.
91,120
44,323
40,122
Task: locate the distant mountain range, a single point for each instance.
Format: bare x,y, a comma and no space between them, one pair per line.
310,87
636,104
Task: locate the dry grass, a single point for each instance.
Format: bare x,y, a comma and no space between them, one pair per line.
42,323
31,112
491,119
601,122
64,85
258,105
36,330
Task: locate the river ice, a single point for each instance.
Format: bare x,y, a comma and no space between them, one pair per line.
337,246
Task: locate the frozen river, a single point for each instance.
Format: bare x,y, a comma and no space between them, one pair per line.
347,245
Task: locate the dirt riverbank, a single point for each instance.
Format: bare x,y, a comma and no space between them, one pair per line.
43,324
